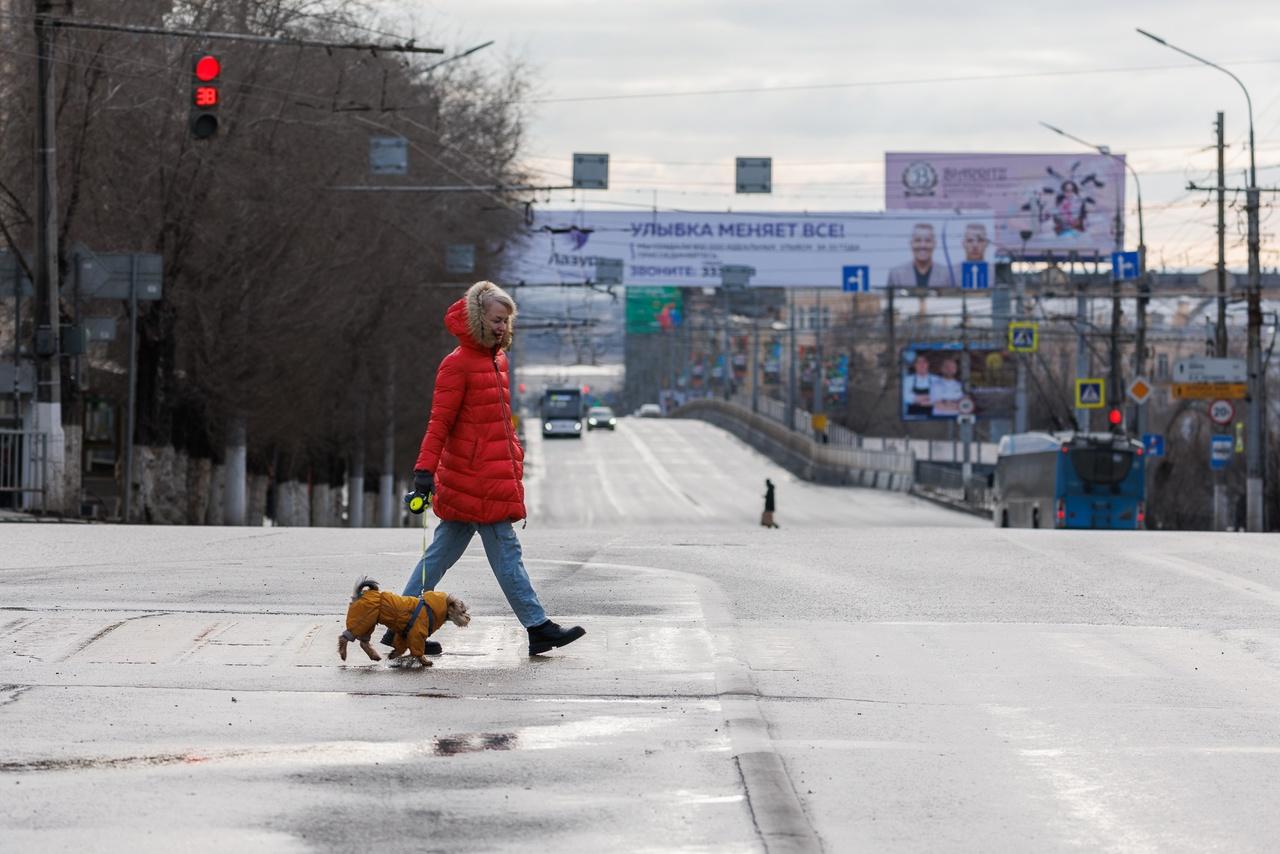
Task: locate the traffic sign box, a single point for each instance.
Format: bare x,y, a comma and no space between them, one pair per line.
1024,336
1210,370
1209,391
1139,390
1091,393
974,276
1153,444
855,278
1220,449
1124,266
1222,411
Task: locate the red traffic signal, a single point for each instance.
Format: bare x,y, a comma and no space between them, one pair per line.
1116,417
205,97
207,68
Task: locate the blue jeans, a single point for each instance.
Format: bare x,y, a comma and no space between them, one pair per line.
501,546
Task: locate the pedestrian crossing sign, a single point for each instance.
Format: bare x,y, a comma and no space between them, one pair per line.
1024,336
1091,393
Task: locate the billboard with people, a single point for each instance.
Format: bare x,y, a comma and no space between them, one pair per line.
1041,203
849,251
934,385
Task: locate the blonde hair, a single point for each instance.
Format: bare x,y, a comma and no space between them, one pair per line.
478,297
487,292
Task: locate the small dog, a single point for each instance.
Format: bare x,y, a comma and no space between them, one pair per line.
411,620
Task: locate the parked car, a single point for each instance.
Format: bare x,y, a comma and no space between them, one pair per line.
649,410
601,417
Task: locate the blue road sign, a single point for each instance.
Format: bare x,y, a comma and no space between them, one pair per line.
1024,336
1124,266
1221,446
1153,444
974,276
856,278
1091,393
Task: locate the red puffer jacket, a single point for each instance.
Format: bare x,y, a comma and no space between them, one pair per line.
471,445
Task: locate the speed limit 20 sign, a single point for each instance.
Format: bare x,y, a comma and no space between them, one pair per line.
1222,411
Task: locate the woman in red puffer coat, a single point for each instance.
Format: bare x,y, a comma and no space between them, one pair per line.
473,462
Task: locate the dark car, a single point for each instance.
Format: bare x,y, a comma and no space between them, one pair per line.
602,418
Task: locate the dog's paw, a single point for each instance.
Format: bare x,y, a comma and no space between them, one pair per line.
342,647
368,650
423,660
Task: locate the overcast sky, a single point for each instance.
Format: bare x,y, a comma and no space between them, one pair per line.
930,75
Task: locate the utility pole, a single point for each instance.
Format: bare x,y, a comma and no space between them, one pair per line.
1020,383
755,352
1256,449
1082,346
1116,396
1255,460
48,406
966,422
1220,331
819,379
791,360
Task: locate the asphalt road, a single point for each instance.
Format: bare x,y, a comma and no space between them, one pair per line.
879,674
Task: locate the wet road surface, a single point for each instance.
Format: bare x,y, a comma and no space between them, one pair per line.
879,674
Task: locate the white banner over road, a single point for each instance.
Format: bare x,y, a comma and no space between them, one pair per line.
916,249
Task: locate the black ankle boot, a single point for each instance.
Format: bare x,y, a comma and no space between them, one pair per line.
549,635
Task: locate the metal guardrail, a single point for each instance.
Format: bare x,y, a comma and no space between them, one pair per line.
931,450
23,455
800,454
947,481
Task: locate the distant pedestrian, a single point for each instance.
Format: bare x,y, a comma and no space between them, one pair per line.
766,518
474,463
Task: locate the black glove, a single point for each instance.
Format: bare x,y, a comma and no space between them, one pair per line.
423,484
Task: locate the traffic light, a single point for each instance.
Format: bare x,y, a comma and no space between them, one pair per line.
205,95
1115,417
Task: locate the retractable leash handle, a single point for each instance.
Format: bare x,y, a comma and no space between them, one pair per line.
416,502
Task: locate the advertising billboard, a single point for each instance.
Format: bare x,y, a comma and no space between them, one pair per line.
652,310
933,386
1041,203
674,248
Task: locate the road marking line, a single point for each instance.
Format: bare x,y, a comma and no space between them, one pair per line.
660,474
1246,586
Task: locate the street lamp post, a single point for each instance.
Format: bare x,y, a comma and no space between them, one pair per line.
1140,344
1256,423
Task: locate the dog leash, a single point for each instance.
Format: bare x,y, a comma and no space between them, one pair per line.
424,545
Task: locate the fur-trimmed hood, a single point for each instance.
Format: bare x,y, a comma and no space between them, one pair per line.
465,319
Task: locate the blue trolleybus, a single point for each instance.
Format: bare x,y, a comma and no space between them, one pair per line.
1069,480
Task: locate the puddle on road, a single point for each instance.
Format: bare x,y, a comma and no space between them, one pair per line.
570,734
452,745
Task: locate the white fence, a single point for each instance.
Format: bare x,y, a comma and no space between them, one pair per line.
22,466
